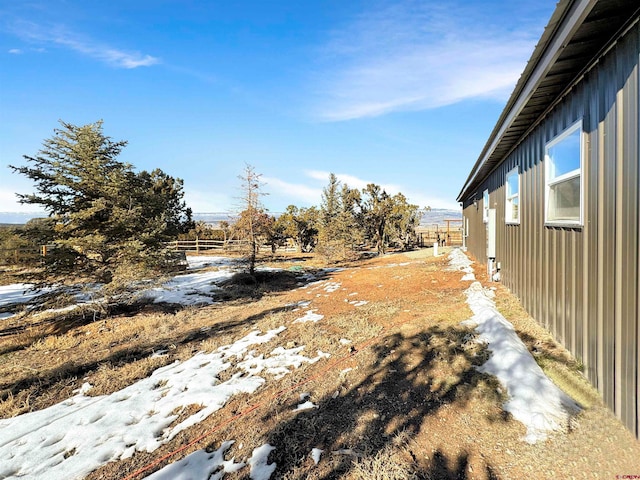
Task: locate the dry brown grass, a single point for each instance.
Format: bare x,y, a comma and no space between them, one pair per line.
393,462
402,400
556,361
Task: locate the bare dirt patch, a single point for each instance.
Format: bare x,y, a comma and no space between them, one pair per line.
398,398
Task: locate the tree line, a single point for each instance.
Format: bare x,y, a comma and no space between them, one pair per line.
108,223
347,221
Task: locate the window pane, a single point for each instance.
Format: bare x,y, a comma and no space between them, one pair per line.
565,156
512,184
564,200
514,209
485,206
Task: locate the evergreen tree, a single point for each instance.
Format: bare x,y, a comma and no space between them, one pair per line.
377,208
403,221
330,205
105,220
301,224
349,220
388,217
340,230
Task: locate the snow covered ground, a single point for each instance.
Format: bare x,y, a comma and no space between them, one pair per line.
72,438
533,400
19,293
197,288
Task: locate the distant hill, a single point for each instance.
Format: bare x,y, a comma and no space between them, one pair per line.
435,216
213,218
19,218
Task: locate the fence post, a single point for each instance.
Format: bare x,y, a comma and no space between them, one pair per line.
197,245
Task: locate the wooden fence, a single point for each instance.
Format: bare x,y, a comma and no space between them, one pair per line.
449,234
427,235
222,246
15,256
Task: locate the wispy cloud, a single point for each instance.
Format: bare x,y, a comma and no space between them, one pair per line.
417,56
9,201
351,180
59,36
309,195
416,198
15,51
200,201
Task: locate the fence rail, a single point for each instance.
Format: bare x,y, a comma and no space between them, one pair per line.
426,236
223,246
14,256
430,235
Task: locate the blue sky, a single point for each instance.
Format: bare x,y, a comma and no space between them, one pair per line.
402,94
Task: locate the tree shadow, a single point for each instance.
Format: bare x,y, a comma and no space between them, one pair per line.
412,377
548,349
445,468
247,287
43,380
238,289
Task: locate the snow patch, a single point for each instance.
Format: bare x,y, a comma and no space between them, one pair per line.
260,469
533,399
200,464
17,293
74,437
278,363
358,303
458,261
331,287
204,261
310,316
316,453
189,289
308,405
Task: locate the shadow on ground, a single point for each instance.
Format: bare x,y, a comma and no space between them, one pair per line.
240,288
123,355
412,377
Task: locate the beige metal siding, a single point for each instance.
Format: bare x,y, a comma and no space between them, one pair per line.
628,235
582,283
476,241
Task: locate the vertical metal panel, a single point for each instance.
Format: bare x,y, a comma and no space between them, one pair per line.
636,361
583,283
607,211
590,230
476,240
627,263
600,254
536,203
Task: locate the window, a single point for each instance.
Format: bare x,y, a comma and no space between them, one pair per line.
512,205
563,160
485,206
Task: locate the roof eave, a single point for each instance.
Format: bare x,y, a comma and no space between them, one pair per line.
565,20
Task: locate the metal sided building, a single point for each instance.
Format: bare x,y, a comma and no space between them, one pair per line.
552,203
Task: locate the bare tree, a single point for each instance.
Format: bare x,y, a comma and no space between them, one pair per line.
252,210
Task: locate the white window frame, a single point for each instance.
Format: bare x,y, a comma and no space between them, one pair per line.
578,172
485,206
508,206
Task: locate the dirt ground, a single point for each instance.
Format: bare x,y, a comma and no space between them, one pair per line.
401,400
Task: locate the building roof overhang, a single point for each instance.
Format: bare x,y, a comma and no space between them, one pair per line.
577,34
